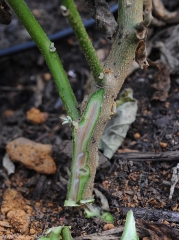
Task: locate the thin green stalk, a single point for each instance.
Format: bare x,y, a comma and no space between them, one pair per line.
56,233
50,54
130,232
66,235
84,41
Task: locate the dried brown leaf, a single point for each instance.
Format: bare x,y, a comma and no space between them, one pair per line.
152,64
100,11
141,55
103,199
141,31
112,234
163,14
157,231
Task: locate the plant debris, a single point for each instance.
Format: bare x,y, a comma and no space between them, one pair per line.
105,21
116,129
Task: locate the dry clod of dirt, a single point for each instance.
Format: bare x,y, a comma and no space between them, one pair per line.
33,155
47,76
34,115
108,226
4,224
16,210
163,144
137,136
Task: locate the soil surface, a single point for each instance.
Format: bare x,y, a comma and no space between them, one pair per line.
31,201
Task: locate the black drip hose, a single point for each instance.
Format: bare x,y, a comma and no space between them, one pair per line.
53,37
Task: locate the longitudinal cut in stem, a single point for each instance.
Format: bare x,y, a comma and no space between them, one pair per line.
84,41
49,52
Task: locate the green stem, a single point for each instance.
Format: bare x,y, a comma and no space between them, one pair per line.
66,235
49,52
116,68
130,232
80,171
84,41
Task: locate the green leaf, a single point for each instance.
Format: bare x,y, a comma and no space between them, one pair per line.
126,96
95,211
117,127
130,229
57,233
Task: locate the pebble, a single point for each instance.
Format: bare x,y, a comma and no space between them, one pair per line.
33,155
34,115
163,144
108,226
47,76
136,136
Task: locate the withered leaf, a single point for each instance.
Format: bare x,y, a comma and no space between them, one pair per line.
117,128
5,12
163,14
157,231
100,11
141,55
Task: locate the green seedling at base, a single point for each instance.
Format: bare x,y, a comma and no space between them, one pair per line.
129,232
94,211
57,233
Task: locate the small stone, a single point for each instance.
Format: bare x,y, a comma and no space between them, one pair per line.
108,226
163,144
32,231
37,204
33,155
34,115
166,222
44,210
60,209
8,113
50,204
167,104
136,136
47,76
36,13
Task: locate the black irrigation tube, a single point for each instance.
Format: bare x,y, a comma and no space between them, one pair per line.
53,37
